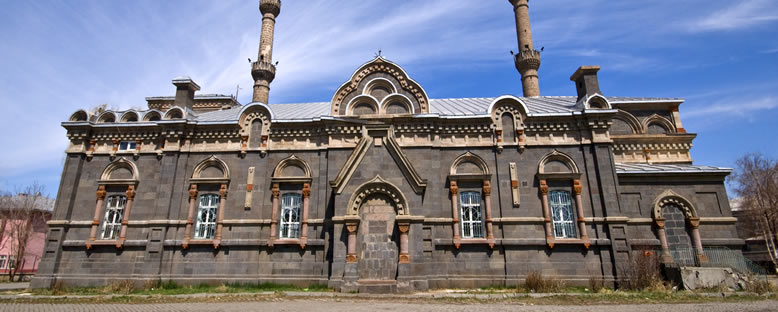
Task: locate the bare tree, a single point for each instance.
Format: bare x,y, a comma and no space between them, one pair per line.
756,183
20,212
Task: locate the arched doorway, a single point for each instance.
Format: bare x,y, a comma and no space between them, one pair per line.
377,239
678,239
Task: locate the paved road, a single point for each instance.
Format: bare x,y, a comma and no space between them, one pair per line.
348,305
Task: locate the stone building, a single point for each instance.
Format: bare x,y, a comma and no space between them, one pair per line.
381,188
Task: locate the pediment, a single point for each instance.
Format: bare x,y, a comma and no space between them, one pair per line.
379,84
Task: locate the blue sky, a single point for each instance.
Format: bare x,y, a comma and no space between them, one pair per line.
59,56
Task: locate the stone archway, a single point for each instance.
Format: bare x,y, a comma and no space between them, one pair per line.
377,239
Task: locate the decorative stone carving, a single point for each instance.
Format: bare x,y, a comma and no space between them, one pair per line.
381,186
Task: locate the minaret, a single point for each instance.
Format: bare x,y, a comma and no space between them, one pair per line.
263,69
527,59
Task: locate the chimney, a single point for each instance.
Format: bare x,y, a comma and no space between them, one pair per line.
586,82
185,90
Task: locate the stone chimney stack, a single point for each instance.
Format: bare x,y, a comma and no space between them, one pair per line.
263,71
185,91
586,82
527,59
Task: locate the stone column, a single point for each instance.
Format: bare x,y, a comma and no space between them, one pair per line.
546,213
351,253
96,220
190,215
527,59
263,71
487,189
304,222
126,215
580,211
220,219
660,229
274,221
403,227
694,222
454,211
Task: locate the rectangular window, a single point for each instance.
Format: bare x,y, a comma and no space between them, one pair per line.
206,216
472,223
562,214
3,260
290,215
114,211
127,146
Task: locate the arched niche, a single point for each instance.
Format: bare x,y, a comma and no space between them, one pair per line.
469,164
255,111
122,171
129,116
106,117
597,102
79,115
152,115
363,105
211,169
292,167
557,163
669,197
378,186
513,109
396,104
656,124
373,76
379,88
174,113
625,123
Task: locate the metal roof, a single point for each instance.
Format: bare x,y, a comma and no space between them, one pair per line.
622,168
460,107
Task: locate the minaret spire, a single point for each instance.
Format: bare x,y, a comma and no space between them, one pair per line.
528,59
263,69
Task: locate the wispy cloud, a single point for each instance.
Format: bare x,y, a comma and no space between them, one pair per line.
737,107
741,14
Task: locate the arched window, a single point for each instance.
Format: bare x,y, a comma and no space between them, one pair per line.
562,214
656,128
396,108
255,136
290,215
112,221
206,216
472,222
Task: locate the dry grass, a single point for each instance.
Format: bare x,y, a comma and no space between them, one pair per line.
596,284
759,285
122,286
643,273
537,283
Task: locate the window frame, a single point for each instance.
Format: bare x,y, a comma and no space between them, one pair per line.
3,261
567,228
130,146
293,231
115,225
211,209
469,224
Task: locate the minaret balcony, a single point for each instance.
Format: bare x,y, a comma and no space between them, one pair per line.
263,71
527,60
270,6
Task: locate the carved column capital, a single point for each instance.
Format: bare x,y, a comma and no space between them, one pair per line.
276,190
306,190
193,191
660,222
577,187
403,227
223,191
101,192
694,222
543,187
487,188
453,188
352,227
130,192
